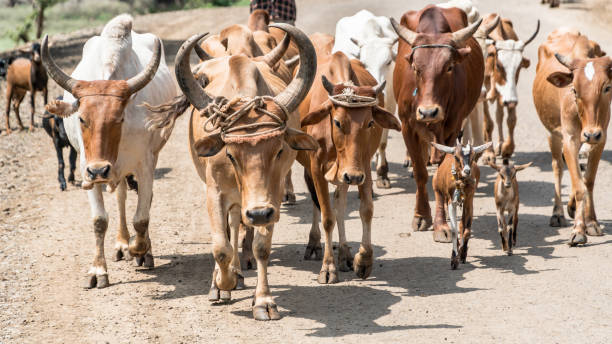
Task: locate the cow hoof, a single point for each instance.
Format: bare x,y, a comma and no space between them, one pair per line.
138,249
266,312
148,261
454,261
240,284
571,207
225,295
138,261
345,258
577,239
421,224
121,254
510,252
289,199
443,235
383,183
214,293
327,277
594,229
558,221
313,250
97,281
363,265
63,186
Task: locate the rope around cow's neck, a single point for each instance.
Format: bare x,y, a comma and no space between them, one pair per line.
348,98
219,118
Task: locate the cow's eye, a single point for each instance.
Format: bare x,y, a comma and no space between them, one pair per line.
337,124
371,124
607,88
278,155
82,121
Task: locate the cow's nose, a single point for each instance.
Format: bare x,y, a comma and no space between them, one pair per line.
510,104
428,113
592,136
260,216
353,179
98,172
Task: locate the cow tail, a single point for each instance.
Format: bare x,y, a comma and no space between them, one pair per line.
311,189
163,116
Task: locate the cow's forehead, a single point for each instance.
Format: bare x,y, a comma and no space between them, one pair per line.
510,45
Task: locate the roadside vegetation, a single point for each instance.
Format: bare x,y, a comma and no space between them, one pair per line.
20,20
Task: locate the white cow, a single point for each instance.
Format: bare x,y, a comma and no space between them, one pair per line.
372,40
119,71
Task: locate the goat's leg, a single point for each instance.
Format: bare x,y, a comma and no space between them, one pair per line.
502,229
452,213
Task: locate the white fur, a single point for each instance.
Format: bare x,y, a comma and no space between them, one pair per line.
589,71
510,56
466,6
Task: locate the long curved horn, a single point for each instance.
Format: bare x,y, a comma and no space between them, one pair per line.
486,28
272,58
141,80
565,60
202,54
64,80
184,77
406,34
296,91
534,34
461,35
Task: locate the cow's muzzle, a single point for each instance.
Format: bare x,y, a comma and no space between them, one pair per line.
429,113
260,216
98,172
592,136
353,178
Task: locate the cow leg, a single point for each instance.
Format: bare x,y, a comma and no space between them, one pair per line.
365,258
289,196
418,153
32,100
248,260
558,218
508,147
440,224
452,214
314,238
382,166
123,236
72,159
9,97
139,245
571,147
489,154
223,276
97,276
499,120
234,221
328,274
592,225
264,307
60,162
345,258
502,229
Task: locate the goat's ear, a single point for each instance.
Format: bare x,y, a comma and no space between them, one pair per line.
209,145
317,115
299,140
494,166
522,167
385,119
443,148
61,108
560,79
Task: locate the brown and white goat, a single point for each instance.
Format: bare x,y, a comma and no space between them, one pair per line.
507,201
454,185
25,75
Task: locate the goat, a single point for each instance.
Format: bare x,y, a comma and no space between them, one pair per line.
25,75
454,184
54,126
507,201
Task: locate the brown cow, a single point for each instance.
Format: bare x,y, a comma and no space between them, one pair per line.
437,82
25,75
504,61
572,93
454,184
343,115
242,142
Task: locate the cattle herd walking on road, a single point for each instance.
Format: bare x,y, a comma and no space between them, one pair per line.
263,96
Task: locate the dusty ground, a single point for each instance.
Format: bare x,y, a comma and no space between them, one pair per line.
545,293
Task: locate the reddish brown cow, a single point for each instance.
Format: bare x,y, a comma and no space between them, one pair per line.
437,82
343,115
572,93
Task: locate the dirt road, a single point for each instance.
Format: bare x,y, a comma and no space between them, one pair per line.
545,293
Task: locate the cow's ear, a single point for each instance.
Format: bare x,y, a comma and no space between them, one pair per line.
317,115
463,53
299,140
525,63
386,119
209,145
61,108
560,79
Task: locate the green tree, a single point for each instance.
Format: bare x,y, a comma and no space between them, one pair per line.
39,8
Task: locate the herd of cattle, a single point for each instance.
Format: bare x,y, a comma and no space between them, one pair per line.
264,95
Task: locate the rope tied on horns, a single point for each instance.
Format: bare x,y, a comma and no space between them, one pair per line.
349,99
220,118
